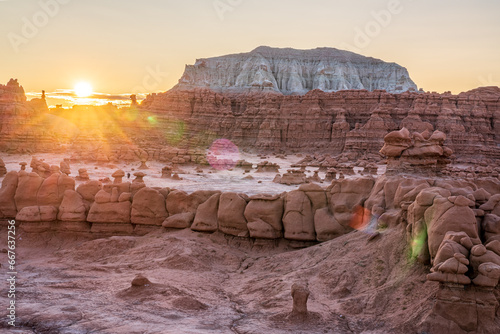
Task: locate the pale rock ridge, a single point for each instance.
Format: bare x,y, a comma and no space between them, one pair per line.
290,71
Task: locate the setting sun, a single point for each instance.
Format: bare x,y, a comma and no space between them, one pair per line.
83,89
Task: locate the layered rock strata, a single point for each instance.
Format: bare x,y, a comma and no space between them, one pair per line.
290,71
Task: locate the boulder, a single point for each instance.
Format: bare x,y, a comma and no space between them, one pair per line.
326,226
89,189
231,215
72,208
148,207
205,219
179,201
179,220
263,214
444,216
111,212
27,189
298,219
7,192
37,214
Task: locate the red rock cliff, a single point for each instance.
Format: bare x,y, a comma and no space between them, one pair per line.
345,121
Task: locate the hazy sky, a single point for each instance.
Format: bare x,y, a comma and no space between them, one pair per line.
124,46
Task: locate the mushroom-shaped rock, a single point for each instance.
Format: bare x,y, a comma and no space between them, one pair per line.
491,228
139,177
481,196
438,137
118,175
65,168
396,142
54,169
143,165
300,294
82,175
453,243
480,254
23,165
494,246
166,172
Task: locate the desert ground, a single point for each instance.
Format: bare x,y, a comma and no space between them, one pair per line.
213,283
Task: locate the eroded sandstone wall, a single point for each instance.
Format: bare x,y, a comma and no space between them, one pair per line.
352,123
345,121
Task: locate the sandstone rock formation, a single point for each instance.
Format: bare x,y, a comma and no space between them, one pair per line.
3,170
148,207
267,167
110,212
292,177
422,153
206,215
300,294
7,192
290,71
65,167
231,215
72,208
24,126
263,214
298,218
166,172
182,207
350,122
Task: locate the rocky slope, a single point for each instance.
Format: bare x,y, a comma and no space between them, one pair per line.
291,71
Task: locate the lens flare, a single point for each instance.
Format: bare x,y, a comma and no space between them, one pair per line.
174,132
223,154
418,243
360,218
130,115
152,120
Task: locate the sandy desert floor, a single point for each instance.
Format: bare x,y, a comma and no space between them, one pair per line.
212,283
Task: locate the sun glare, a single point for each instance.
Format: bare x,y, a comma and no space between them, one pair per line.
83,89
